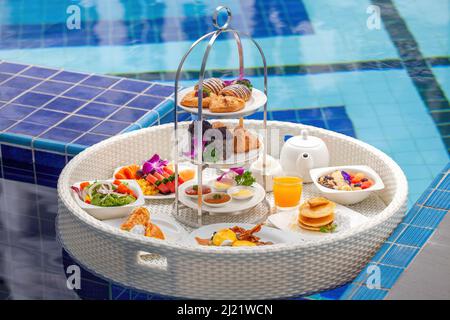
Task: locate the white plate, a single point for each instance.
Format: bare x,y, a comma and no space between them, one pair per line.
232,207
181,166
170,230
345,219
266,234
257,100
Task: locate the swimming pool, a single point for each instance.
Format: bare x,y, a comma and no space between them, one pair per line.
392,82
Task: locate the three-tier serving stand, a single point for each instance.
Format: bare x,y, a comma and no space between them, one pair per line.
199,217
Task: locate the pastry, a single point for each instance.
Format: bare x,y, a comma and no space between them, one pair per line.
238,91
191,99
213,84
225,104
244,140
139,216
317,214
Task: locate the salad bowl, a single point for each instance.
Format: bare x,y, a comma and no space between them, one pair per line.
110,212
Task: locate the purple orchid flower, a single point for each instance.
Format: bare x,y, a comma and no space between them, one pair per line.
155,163
239,171
193,152
346,177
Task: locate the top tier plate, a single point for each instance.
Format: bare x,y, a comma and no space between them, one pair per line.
257,100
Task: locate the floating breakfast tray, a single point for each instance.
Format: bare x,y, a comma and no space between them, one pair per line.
178,269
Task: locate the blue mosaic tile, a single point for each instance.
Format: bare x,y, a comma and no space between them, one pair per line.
414,236
382,251
98,110
68,76
78,123
115,97
340,125
65,104
428,217
17,157
90,139
334,294
8,93
4,76
309,114
18,174
334,112
439,199
100,81
52,87
5,123
15,112
28,128
110,127
49,163
46,117
397,232
83,92
283,115
159,90
145,102
119,293
315,123
128,115
364,293
131,85
11,67
399,256
47,180
444,184
21,82
39,72
33,99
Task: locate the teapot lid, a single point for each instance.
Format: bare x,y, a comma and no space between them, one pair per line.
304,140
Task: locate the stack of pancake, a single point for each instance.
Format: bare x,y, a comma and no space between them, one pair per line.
316,213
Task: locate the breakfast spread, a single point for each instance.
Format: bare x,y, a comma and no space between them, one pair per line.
317,214
155,177
234,237
105,194
347,181
139,222
220,96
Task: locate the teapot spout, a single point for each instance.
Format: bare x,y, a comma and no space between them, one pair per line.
305,163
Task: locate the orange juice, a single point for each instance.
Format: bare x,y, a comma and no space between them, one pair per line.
187,174
287,191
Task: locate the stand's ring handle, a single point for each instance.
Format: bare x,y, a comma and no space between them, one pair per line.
216,15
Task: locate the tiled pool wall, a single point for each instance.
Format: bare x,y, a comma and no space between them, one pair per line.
49,115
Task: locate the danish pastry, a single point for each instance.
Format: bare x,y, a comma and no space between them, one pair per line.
238,91
213,84
224,104
191,100
244,140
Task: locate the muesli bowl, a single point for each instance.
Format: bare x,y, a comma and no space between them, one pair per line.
182,270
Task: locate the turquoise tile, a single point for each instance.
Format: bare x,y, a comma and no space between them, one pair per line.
399,256
397,231
418,186
408,158
416,172
364,293
389,275
393,132
414,236
402,145
435,157
428,217
439,199
427,144
381,252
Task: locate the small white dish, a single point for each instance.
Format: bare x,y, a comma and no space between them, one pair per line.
233,190
171,231
195,196
265,234
216,205
223,185
345,219
257,100
103,213
342,196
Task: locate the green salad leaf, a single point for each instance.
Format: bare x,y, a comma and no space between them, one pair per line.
245,179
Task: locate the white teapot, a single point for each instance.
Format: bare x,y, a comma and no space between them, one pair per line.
303,153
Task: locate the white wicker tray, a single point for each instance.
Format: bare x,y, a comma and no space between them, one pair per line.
177,269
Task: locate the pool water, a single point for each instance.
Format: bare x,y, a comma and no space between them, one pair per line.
392,81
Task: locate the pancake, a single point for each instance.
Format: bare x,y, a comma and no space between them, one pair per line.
318,222
310,228
318,211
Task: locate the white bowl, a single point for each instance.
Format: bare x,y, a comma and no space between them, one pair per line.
212,185
342,196
237,188
103,213
216,205
195,196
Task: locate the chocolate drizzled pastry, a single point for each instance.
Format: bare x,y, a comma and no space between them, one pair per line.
213,84
238,91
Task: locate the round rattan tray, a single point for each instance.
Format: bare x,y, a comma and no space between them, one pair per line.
180,270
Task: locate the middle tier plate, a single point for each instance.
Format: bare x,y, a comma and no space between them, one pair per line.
257,100
230,208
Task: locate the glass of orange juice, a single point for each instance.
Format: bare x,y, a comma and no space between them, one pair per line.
287,191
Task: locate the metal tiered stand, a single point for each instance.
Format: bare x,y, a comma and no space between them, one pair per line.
189,216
